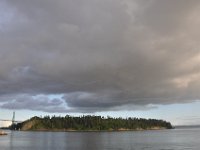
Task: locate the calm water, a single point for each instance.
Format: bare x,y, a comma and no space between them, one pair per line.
177,139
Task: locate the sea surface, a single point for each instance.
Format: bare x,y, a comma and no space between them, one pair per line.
175,139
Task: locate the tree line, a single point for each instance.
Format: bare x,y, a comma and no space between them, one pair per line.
90,123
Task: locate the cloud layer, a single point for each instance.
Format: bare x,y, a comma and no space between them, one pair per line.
99,55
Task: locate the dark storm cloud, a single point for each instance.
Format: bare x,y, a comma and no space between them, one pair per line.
99,54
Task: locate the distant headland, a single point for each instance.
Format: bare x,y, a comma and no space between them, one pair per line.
90,123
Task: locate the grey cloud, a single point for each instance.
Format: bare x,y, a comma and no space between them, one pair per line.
166,16
40,103
83,99
101,54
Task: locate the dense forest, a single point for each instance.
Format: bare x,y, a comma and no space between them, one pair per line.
90,123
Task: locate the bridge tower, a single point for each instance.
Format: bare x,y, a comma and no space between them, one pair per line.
13,127
13,118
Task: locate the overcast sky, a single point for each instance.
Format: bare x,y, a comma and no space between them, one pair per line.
75,56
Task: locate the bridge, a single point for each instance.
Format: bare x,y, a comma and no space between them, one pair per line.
13,120
10,121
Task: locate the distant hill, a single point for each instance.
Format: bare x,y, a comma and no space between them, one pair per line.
187,126
90,123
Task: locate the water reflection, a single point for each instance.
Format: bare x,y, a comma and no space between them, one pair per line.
11,141
55,140
87,141
151,140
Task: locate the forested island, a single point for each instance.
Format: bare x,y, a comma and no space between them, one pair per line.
90,123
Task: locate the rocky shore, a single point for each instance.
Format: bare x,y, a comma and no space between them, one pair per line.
2,133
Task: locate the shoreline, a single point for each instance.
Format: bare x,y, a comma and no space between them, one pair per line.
110,130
